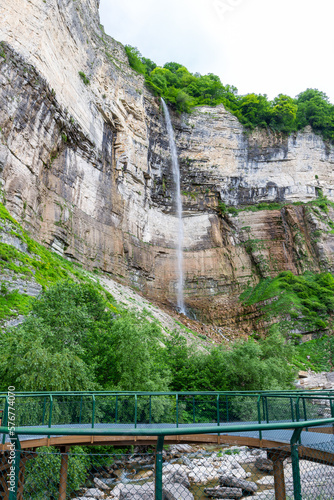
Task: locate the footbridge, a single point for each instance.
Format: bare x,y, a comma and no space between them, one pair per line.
287,425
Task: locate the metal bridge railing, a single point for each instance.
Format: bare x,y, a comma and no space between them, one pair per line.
48,474
132,410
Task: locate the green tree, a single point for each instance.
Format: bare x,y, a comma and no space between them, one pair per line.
42,473
283,114
254,110
45,352
135,59
314,109
128,355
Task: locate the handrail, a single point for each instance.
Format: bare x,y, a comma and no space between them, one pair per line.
285,393
262,403
167,431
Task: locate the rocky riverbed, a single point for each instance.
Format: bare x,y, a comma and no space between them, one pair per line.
193,473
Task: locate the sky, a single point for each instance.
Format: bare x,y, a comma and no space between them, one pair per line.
263,46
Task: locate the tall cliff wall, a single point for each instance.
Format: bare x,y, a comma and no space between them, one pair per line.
86,168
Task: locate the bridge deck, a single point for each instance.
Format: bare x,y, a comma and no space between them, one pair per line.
311,447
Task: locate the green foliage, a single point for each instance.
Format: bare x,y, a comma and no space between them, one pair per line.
299,302
73,338
316,354
37,263
246,365
222,208
13,301
84,78
283,114
42,473
315,109
127,354
45,352
2,52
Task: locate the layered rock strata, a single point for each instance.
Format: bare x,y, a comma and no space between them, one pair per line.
85,166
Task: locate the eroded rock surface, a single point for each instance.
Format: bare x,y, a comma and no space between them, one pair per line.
85,166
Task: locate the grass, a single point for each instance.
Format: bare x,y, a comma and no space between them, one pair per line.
303,302
37,264
321,201
314,355
14,301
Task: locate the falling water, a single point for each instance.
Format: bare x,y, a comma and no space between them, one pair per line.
176,175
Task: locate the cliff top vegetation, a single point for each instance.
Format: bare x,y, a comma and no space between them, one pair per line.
185,90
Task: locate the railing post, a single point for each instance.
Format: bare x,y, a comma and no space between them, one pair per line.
44,409
158,468
50,414
259,414
116,409
292,412
226,409
80,414
304,408
136,401
150,411
14,478
331,403
297,409
267,412
5,420
177,410
93,411
295,464
218,411
194,411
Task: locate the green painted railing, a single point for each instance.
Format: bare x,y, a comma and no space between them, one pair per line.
133,409
160,433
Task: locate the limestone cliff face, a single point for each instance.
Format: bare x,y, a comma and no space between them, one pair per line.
86,167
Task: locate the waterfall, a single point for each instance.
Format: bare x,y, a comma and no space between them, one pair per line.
176,175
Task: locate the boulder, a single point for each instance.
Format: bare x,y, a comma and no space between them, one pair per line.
235,482
94,493
179,477
176,492
136,492
223,492
264,464
100,484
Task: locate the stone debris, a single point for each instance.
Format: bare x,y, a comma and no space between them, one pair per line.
264,464
246,486
94,493
222,492
224,467
100,484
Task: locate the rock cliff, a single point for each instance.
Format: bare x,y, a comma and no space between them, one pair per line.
85,166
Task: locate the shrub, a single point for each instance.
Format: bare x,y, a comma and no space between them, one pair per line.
84,78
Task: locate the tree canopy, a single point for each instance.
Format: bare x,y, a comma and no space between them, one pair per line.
285,114
75,339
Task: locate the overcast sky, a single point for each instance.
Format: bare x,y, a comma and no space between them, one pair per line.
262,46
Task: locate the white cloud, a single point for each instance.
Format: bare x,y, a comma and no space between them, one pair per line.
259,46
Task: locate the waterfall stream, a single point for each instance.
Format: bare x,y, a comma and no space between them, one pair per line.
178,201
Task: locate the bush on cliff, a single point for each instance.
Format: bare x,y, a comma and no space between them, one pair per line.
185,90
